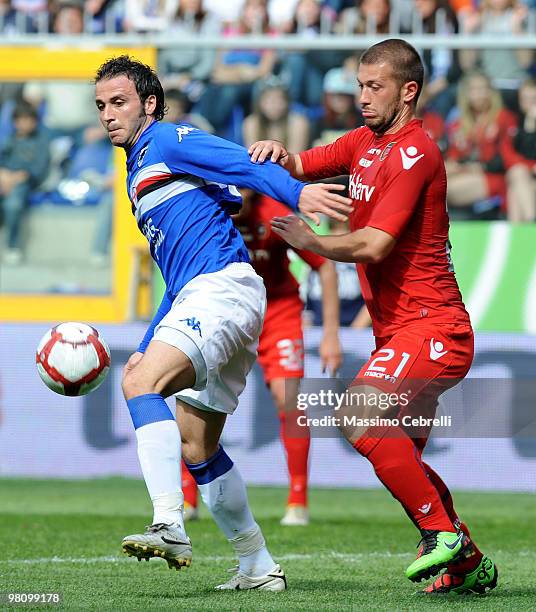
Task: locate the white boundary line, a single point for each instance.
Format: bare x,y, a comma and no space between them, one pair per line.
334,556
349,557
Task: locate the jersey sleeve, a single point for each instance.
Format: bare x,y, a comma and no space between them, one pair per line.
188,150
402,189
330,160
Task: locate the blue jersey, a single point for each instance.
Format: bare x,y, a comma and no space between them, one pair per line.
181,183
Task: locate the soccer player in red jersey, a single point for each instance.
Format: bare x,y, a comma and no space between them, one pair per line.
280,352
424,340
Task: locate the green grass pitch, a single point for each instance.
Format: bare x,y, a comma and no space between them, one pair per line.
65,536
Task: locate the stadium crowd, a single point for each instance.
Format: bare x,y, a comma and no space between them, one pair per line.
480,106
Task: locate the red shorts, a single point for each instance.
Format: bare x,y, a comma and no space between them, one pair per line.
420,362
281,341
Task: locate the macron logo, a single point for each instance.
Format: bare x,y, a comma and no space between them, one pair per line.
436,350
425,508
410,157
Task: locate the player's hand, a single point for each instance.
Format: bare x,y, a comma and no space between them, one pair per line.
274,150
132,362
319,198
294,231
331,353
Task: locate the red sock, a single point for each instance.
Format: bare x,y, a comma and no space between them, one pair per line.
470,562
297,451
189,486
397,464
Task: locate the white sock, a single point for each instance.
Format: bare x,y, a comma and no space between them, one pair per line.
159,452
227,500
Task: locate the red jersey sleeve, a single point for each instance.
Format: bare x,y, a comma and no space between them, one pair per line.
310,258
331,160
405,181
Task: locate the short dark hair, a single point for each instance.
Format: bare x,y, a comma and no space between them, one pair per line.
144,78
401,56
23,108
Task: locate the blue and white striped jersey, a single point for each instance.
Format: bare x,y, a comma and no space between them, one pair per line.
181,183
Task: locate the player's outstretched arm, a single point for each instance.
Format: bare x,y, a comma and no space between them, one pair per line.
367,245
215,159
330,346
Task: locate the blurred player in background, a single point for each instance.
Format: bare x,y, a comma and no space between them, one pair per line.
424,340
281,354
203,339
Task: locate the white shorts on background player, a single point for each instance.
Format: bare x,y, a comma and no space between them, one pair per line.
216,320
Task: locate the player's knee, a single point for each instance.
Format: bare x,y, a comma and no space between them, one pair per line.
198,451
134,385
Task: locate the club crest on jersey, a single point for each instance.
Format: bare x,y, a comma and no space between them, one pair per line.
141,156
358,190
387,150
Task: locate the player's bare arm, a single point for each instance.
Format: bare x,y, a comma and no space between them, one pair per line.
330,346
366,245
320,198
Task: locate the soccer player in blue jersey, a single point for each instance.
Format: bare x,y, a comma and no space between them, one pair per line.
202,342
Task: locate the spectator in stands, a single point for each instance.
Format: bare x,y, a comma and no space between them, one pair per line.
189,69
32,15
103,16
366,16
23,165
281,13
520,157
442,68
340,110
227,11
7,18
68,18
272,119
506,68
178,111
236,72
148,15
305,70
475,166
67,108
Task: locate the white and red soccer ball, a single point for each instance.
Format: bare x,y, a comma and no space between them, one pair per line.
72,359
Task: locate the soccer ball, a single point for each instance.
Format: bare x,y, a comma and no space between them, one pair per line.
72,359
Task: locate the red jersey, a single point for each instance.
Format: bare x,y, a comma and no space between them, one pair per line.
398,185
268,251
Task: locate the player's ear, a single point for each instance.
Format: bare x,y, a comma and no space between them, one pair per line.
409,91
150,105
